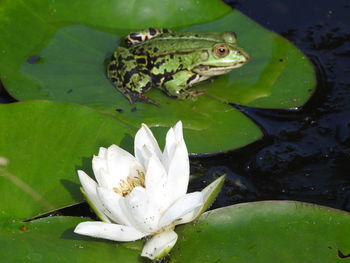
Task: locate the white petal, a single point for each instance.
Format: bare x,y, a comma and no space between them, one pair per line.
170,143
102,153
99,164
159,245
119,162
108,231
144,136
179,171
156,187
116,165
209,194
146,155
181,207
143,214
90,193
173,137
178,131
113,206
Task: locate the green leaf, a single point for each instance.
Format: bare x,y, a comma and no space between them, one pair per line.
202,117
53,240
45,143
270,231
61,49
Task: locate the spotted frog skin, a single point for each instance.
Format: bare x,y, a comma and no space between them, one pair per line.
172,62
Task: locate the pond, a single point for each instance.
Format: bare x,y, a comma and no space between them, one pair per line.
305,152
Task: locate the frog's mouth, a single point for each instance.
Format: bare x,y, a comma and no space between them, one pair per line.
209,70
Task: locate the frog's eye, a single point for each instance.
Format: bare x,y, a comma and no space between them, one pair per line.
221,50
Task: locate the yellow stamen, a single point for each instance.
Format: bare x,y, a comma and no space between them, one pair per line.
125,187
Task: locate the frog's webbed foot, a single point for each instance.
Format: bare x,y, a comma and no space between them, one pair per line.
138,97
136,94
145,34
187,94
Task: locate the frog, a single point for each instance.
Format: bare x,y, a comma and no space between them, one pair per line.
172,62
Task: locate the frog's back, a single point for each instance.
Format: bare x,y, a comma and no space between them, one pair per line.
194,36
177,43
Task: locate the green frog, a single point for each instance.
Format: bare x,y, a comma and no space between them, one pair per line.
172,61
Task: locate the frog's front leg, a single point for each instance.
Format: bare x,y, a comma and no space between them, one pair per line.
178,86
127,76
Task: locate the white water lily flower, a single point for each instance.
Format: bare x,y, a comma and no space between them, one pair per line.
145,195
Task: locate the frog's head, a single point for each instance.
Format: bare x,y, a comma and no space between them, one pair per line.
221,57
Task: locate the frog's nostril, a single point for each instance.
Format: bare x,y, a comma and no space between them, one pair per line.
245,56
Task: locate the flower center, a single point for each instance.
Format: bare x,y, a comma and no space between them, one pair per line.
126,186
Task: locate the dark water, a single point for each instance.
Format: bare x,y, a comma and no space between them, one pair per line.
305,154
4,96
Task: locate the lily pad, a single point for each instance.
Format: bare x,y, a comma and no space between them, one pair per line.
203,117
44,144
53,240
61,55
270,231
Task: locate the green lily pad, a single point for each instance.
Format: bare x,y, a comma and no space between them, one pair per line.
270,231
61,55
202,117
45,143
53,240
